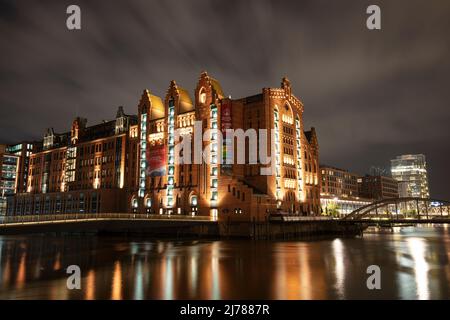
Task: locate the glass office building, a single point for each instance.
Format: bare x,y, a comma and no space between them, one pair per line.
411,173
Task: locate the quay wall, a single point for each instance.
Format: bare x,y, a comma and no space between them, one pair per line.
197,229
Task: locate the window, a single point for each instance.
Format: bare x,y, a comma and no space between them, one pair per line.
202,96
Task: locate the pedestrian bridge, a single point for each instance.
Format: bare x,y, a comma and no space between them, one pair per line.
403,210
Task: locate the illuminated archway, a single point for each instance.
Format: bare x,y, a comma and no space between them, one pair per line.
193,203
134,204
202,95
148,203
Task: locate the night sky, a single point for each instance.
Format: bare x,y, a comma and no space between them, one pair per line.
372,95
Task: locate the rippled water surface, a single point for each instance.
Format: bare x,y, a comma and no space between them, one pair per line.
414,264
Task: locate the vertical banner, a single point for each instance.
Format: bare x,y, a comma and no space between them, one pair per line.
227,147
156,156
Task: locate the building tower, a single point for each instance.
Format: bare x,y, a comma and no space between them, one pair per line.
411,173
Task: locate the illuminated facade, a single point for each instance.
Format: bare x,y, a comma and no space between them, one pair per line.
343,192
339,193
23,151
338,182
136,163
84,170
216,188
341,206
411,173
9,166
378,187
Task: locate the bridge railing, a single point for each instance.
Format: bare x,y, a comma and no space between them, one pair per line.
69,217
402,209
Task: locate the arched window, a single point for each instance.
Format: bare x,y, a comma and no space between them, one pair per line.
287,116
193,201
202,96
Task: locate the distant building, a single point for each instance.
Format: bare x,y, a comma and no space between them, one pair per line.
8,177
338,206
338,182
339,191
378,171
377,187
411,173
23,150
83,170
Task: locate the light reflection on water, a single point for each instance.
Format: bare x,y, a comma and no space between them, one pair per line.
90,285
417,247
338,253
414,264
116,290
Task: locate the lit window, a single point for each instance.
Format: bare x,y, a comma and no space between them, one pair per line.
202,97
194,201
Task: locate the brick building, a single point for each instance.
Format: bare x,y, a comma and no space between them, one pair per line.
378,187
132,163
83,170
339,191
338,182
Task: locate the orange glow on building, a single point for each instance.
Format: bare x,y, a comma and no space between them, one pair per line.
127,164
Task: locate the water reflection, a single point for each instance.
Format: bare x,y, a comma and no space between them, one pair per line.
193,269
6,274
338,251
20,279
414,264
90,285
167,274
215,273
116,290
138,282
417,248
288,276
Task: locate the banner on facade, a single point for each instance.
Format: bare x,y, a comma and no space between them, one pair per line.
156,156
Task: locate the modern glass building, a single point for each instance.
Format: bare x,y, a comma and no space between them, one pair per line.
410,171
8,177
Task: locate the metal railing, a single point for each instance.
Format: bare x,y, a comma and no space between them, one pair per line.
299,218
77,217
402,209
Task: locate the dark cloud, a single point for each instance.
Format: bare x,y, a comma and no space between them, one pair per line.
371,94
